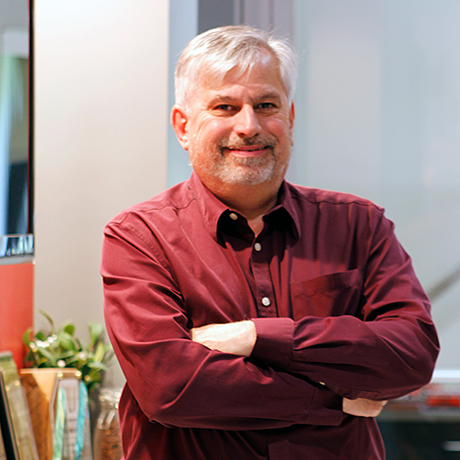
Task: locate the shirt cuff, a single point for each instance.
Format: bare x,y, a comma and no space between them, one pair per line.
274,341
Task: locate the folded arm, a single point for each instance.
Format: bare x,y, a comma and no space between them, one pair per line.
239,338
178,382
385,353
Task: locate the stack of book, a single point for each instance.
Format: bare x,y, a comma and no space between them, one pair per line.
44,413
15,422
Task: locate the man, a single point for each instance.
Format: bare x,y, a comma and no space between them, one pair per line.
255,319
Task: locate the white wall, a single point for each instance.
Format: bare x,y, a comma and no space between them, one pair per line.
183,23
101,121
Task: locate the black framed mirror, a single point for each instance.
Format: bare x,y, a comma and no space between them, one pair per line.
16,129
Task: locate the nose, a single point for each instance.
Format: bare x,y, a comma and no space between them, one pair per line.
247,122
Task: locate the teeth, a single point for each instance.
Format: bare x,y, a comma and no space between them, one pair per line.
253,150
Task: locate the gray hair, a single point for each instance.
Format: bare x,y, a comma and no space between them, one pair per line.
217,51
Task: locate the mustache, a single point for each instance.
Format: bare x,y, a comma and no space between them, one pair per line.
264,141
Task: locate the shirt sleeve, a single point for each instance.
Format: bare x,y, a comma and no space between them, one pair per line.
176,381
385,353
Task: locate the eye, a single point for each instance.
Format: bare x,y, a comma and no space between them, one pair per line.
224,108
266,106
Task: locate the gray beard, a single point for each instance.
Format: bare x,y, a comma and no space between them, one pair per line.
246,171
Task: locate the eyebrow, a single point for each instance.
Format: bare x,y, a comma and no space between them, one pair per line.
222,98
218,99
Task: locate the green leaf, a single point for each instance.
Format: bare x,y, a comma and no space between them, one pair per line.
98,366
50,320
94,375
47,355
80,346
40,335
26,337
66,341
69,328
100,352
30,357
68,356
72,361
95,332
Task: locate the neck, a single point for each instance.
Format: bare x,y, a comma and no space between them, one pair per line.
252,201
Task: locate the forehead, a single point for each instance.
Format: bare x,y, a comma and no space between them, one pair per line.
263,74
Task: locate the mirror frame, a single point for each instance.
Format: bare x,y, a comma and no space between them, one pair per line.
18,248
30,224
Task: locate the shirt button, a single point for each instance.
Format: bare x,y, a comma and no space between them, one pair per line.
258,247
233,216
266,301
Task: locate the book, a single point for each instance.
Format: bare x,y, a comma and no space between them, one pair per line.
58,404
18,437
61,449
2,445
40,388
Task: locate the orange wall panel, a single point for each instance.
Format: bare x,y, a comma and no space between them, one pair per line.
16,307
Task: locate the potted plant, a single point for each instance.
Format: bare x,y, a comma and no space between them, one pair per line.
59,348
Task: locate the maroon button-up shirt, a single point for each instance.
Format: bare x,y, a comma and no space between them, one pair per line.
338,312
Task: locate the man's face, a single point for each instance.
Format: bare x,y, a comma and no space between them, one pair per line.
240,131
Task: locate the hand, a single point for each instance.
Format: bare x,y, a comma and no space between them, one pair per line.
238,338
362,407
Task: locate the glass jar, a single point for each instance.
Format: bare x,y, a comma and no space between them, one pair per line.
107,439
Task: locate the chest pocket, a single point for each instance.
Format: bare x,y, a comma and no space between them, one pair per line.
329,295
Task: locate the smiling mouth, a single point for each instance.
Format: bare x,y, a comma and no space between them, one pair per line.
248,150
255,147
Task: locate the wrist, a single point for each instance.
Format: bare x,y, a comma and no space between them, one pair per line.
237,338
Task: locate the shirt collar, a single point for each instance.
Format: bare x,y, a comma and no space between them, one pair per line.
212,209
287,201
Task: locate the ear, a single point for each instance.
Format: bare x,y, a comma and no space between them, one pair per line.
292,117
291,121
179,121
